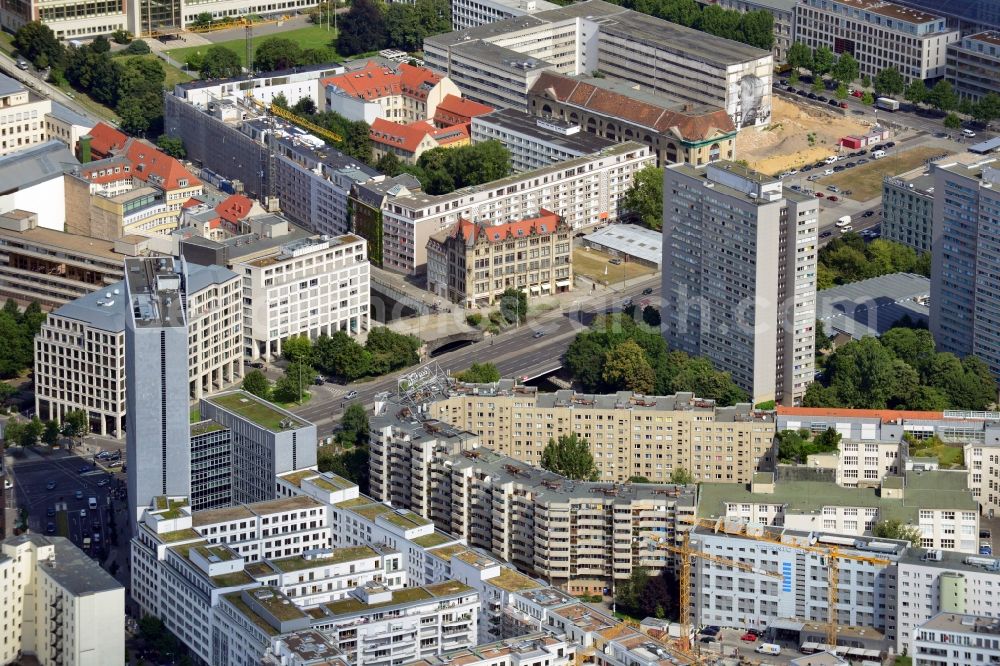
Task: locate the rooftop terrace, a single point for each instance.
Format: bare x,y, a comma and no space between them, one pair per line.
250,407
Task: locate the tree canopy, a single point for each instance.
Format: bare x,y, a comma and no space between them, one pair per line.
896,529
480,373
795,446
889,82
275,53
218,63
902,370
644,197
755,28
385,351
570,456
17,336
849,258
36,42
256,383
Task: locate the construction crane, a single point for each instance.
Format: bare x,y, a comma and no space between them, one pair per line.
832,554
684,585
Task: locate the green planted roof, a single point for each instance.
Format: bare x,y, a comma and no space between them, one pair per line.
253,409
336,556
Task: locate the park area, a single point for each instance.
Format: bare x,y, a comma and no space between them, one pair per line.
865,181
309,37
597,266
797,136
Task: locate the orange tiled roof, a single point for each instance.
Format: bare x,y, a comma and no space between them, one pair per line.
234,208
545,223
374,81
406,137
883,414
455,110
105,139
150,164
452,134
694,125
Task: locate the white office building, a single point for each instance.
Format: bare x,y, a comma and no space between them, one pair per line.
312,286
953,638
80,349
58,605
470,13
739,276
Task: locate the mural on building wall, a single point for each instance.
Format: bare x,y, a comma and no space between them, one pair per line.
752,109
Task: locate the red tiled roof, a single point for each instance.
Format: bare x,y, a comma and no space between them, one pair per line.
374,81
497,233
234,208
105,139
455,110
449,135
693,125
883,414
191,203
150,164
406,137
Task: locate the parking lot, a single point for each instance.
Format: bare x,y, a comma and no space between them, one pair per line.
729,643
56,491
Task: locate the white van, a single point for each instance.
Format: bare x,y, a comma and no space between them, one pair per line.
830,160
844,229
92,502
877,154
768,648
844,221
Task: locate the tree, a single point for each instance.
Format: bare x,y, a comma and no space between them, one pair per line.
514,305
822,61
390,350
847,68
757,29
138,47
340,355
402,27
799,56
480,373
75,423
171,145
862,374
354,425
276,53
570,456
952,121
651,316
987,108
33,429
50,435
681,476
627,594
362,29
298,348
866,81
133,117
12,432
306,107
896,529
140,93
889,82
121,36
644,197
868,99
7,391
202,20
942,96
828,440
717,21
916,92
626,368
841,91
36,42
100,44
257,383
291,386
818,85
389,164
638,479
585,360
701,378
220,63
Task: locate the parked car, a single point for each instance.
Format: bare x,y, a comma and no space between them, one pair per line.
863,151
890,144
83,513
83,470
50,512
833,197
615,262
708,639
79,494
749,637
968,133
863,160
50,528
802,93
820,195
839,168
826,234
318,381
868,213
843,105
828,172
857,93
833,102
710,630
102,483
833,188
51,485
822,98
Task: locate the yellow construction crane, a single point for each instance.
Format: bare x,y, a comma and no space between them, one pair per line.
684,585
293,118
238,23
832,554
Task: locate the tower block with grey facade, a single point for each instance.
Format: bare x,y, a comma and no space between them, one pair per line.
158,438
739,276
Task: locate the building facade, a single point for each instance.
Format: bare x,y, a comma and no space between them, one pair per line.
676,131
58,605
158,435
211,466
964,266
908,209
313,286
584,192
950,638
265,441
401,94
974,65
498,63
879,34
80,349
739,276
473,265
471,13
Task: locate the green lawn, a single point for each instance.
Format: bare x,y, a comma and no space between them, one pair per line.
310,37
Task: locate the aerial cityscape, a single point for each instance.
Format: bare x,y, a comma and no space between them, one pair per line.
500,333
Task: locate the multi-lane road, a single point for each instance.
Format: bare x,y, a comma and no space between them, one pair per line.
516,352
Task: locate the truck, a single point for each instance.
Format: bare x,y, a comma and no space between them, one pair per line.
887,103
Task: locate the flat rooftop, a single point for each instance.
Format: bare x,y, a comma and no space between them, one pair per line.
74,245
243,511
324,558
513,120
72,568
873,306
257,410
631,240
154,291
403,597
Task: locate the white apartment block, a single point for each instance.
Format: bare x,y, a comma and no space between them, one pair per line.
58,605
726,596
313,286
80,349
937,503
472,13
584,191
951,638
878,34
497,63
862,463
26,121
932,582
739,276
